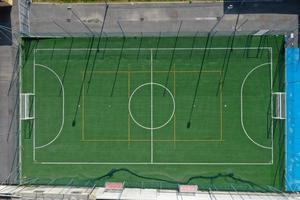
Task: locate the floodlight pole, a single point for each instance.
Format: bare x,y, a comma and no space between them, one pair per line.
67,64
16,69
82,83
172,58
12,119
104,49
54,44
157,45
236,23
103,23
193,43
200,72
224,66
261,42
98,44
140,45
227,58
123,33
119,61
62,28
198,82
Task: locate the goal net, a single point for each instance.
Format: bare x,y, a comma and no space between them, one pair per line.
279,104
26,106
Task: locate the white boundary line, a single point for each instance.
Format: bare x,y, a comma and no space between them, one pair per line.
145,163
147,49
242,114
34,52
20,121
161,163
151,103
63,107
272,111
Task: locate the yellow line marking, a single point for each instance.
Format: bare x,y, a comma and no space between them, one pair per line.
179,71
174,91
128,84
129,140
191,140
174,131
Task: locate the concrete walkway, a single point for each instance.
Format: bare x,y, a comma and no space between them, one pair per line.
8,97
151,18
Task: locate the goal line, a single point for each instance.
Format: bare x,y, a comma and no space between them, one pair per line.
152,162
149,49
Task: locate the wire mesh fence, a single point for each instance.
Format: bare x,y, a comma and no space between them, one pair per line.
73,24
218,182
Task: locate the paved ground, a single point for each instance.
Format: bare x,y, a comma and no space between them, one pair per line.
147,18
8,99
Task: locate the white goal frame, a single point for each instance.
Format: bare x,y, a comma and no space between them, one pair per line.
280,113
25,106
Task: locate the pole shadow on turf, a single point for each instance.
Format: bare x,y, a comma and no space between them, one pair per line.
119,60
98,44
172,57
67,63
82,82
197,83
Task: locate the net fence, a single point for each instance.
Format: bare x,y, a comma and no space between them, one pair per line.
217,182
64,22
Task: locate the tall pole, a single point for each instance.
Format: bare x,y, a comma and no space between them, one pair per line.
98,44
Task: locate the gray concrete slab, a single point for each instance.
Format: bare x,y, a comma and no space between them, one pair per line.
151,18
9,92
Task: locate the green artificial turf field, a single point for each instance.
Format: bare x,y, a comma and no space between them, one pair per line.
162,111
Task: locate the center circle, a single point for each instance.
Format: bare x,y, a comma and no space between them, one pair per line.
151,97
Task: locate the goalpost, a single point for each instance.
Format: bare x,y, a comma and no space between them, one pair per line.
26,108
279,104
